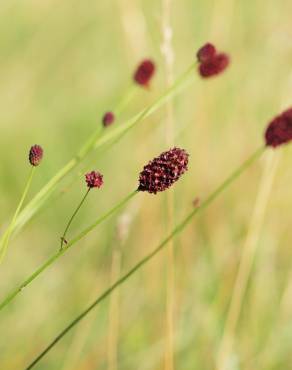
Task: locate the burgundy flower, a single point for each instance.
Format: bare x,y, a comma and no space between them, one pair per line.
35,155
144,72
214,66
108,119
206,52
94,179
279,130
163,171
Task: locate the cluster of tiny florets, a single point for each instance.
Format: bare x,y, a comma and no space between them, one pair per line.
35,155
163,171
144,72
94,179
279,130
108,119
206,52
211,63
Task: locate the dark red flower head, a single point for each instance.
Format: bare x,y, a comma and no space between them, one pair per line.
108,119
279,130
94,179
211,63
206,52
144,72
214,66
163,171
35,155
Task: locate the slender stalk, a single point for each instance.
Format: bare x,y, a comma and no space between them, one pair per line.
7,234
39,199
63,238
246,261
57,255
99,138
119,131
168,54
114,310
152,254
127,98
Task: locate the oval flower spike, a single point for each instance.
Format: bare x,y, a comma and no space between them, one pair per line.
94,179
279,130
163,171
35,155
144,72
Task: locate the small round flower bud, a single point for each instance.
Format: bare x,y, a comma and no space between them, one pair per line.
214,66
35,155
108,119
144,72
163,171
279,130
94,179
206,52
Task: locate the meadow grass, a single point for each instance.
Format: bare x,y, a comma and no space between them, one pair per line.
62,65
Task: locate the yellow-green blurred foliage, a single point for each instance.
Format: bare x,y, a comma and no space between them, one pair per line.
62,64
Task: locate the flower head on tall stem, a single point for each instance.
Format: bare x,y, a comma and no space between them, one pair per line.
163,171
144,72
279,130
35,155
94,179
211,63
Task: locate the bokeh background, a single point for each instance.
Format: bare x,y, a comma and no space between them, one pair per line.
62,65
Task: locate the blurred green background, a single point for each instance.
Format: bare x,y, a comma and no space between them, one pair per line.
62,65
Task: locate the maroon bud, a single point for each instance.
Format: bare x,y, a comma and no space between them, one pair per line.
163,171
214,65
144,72
279,130
206,52
94,179
108,119
35,155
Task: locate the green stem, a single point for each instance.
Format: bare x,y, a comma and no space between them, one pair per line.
63,238
127,98
97,140
7,234
35,204
101,219
119,131
148,257
57,255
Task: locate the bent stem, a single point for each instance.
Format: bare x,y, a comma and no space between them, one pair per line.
57,255
6,236
63,237
99,138
179,228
